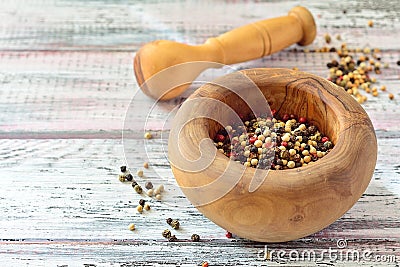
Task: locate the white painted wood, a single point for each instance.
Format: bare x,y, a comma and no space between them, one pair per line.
66,82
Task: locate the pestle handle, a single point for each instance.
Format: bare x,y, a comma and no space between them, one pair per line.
264,37
245,43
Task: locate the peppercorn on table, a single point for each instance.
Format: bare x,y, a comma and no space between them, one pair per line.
66,84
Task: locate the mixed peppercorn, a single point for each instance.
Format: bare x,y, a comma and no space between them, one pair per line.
353,72
273,142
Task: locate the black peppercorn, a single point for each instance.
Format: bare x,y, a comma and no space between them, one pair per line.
123,168
398,62
175,224
129,177
306,147
172,238
279,162
142,202
298,164
166,233
253,149
195,238
148,185
169,220
305,139
134,183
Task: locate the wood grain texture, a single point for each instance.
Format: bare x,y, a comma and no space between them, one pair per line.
66,81
262,39
269,205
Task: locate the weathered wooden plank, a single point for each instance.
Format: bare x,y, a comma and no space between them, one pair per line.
119,25
49,92
66,72
69,189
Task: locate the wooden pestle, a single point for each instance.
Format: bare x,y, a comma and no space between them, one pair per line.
245,43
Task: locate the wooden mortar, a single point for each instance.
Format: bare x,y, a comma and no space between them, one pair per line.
248,42
292,203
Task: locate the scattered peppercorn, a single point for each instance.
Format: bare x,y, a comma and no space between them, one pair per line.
134,183
131,227
158,197
146,207
148,185
160,188
327,38
139,208
146,165
391,96
121,178
123,168
169,221
142,202
228,234
172,238
398,62
175,224
129,177
139,173
204,264
166,233
150,192
138,189
195,238
370,23
148,135
352,72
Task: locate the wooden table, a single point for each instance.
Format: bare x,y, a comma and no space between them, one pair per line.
66,84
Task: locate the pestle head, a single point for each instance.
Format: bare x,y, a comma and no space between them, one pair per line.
169,60
307,22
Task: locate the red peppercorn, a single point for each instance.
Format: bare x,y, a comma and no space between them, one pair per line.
204,264
324,139
228,234
284,144
252,139
302,120
285,117
220,138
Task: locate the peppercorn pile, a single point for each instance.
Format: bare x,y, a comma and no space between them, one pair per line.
353,73
277,143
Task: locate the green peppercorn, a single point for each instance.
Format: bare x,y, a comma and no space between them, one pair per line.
138,189
328,144
175,224
166,233
195,238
